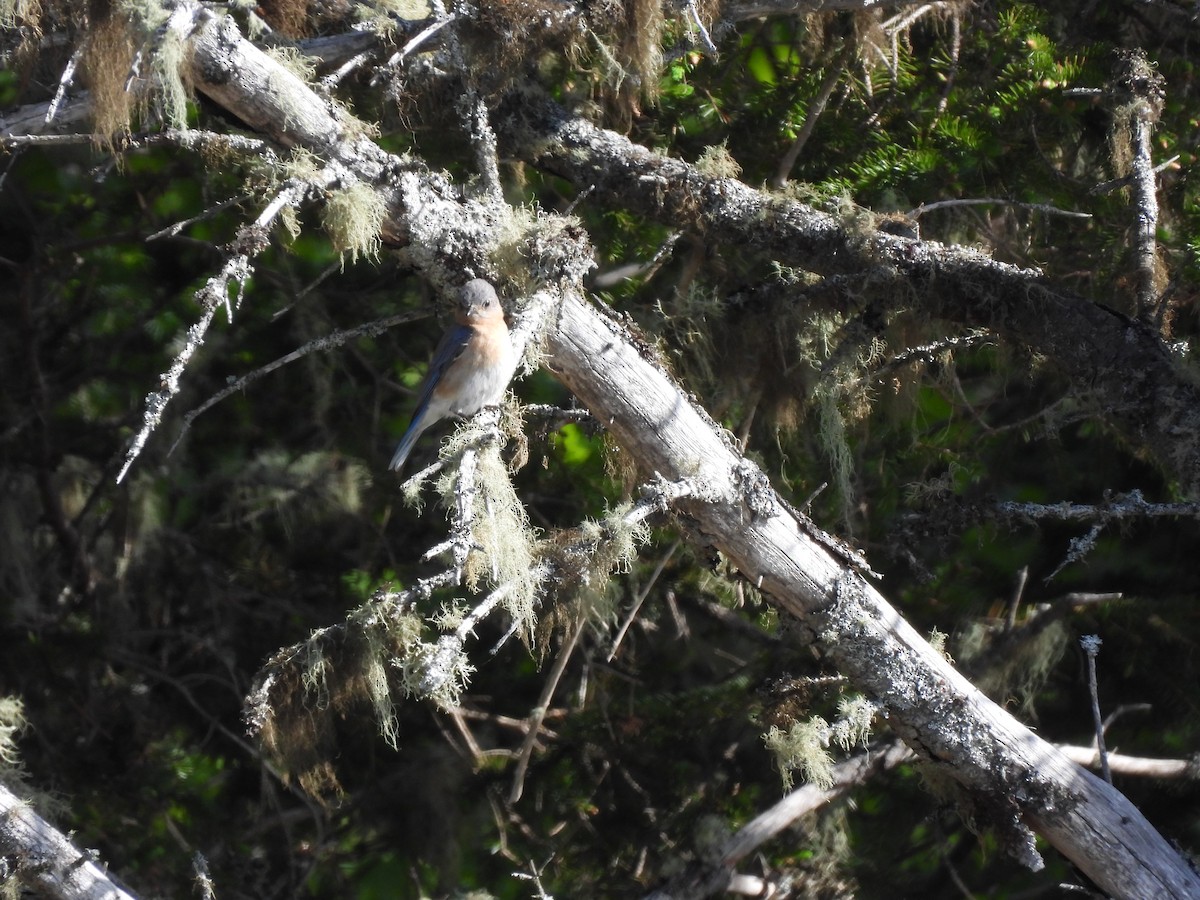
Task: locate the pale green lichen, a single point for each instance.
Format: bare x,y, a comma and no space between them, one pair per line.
316,670
1022,671
853,724
169,62
717,162
302,66
12,723
620,551
507,543
375,679
937,640
802,748
353,217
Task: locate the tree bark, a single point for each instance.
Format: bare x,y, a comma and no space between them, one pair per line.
41,857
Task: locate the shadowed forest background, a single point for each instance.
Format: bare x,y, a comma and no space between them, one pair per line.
1009,503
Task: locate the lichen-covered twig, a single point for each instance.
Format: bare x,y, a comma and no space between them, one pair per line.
1091,648
1119,507
325,342
1139,96
462,515
252,240
445,662
483,141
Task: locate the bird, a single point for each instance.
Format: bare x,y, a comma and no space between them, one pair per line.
471,366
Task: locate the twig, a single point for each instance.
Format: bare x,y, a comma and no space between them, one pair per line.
577,199
538,714
1136,766
638,269
704,35
955,55
328,342
1107,187
1122,710
442,665
815,107
188,139
900,21
1091,647
483,141
172,230
466,487
424,35
1014,604
555,414
705,880
1046,208
928,353
204,881
1077,549
1117,508
641,598
334,78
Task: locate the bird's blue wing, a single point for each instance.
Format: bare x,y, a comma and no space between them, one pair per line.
451,347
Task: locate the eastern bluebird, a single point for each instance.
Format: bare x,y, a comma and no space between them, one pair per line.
470,369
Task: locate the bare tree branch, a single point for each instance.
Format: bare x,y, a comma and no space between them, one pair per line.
930,704
1149,396
1135,766
738,10
709,878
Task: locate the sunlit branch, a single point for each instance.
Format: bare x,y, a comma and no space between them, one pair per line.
64,83
413,45
37,855
705,37
1145,190
1136,766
